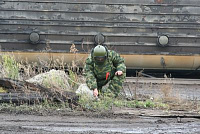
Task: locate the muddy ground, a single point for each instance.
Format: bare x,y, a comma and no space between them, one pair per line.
120,120
17,124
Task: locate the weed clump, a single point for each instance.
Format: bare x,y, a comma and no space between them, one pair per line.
9,67
60,81
107,102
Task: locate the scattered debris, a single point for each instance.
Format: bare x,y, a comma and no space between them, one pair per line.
15,87
84,90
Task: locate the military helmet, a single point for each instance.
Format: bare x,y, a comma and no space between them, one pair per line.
99,54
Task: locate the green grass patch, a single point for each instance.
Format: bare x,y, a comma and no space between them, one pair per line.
107,103
43,108
10,67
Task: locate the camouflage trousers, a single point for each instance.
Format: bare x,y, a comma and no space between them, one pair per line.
113,85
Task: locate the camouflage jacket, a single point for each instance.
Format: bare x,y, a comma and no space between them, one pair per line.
96,73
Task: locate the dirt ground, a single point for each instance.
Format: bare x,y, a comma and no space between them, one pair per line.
181,91
118,121
121,124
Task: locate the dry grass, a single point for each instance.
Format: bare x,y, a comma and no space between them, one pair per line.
23,71
166,93
174,101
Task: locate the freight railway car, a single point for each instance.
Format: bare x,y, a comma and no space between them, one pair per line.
149,34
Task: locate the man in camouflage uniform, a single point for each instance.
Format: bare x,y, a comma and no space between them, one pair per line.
104,67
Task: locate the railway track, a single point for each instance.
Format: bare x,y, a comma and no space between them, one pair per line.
178,81
175,88
146,88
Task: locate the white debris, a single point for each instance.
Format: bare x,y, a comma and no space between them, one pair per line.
52,79
84,90
60,80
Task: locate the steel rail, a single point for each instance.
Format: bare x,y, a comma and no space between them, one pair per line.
102,3
99,12
178,81
150,35
141,26
102,21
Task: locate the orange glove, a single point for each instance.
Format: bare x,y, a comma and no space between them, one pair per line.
107,74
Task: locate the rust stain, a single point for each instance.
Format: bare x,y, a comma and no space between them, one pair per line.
131,61
130,27
159,1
